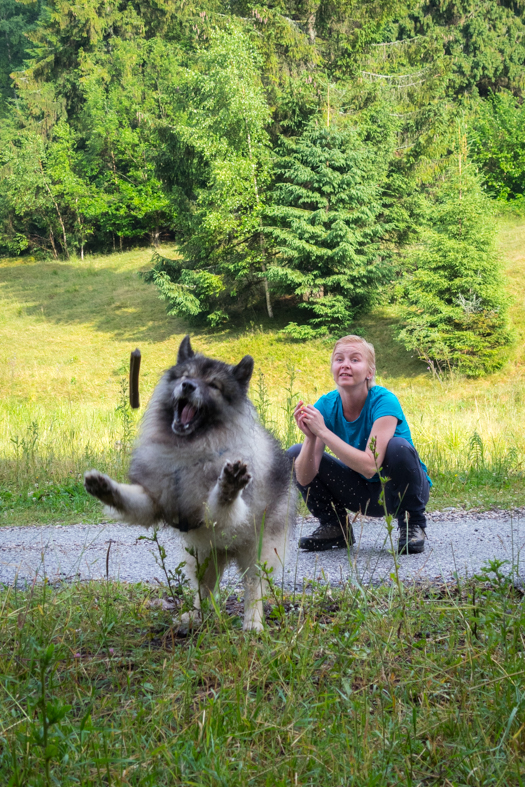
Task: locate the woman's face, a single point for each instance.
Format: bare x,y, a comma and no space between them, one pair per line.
350,366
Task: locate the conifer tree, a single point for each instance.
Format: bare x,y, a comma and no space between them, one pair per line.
452,295
326,227
222,124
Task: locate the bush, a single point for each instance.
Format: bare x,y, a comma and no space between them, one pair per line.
452,293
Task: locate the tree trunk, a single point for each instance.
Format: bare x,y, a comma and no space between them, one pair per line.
81,232
48,187
261,236
52,240
266,288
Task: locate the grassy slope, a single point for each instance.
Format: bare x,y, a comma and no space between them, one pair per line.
67,328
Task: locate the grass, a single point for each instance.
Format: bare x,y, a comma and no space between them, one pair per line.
344,687
66,332
362,686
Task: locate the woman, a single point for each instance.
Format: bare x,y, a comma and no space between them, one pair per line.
355,421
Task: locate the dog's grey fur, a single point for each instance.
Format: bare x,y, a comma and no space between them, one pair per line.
204,464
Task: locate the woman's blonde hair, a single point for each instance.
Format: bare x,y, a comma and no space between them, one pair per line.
368,350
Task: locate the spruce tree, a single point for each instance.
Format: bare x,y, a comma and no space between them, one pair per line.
452,295
326,227
222,127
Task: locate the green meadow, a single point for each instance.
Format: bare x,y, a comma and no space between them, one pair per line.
357,685
66,332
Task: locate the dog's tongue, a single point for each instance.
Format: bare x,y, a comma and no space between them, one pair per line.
188,413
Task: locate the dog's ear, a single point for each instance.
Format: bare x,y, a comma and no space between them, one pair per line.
185,351
243,371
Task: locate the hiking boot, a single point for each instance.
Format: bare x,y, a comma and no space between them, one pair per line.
331,536
411,539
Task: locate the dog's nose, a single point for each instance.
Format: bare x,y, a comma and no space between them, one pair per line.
188,387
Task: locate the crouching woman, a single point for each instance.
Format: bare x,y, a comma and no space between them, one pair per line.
347,421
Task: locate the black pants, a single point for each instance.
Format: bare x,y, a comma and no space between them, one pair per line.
336,487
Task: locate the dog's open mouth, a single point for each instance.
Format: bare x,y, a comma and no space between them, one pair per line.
186,416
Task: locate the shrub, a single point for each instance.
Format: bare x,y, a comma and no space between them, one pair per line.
452,293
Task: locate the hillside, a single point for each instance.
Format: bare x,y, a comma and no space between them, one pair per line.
67,328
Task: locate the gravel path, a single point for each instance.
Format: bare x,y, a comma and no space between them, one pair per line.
458,541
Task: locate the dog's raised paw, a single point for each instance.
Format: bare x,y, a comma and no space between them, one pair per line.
236,474
234,478
101,486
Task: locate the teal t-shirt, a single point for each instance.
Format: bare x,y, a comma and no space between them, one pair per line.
379,402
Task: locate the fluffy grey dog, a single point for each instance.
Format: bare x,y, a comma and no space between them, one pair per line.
204,464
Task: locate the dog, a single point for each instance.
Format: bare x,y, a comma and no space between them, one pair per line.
205,465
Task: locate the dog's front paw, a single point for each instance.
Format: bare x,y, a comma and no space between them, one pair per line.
234,478
101,486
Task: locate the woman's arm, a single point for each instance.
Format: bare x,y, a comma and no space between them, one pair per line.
361,461
309,459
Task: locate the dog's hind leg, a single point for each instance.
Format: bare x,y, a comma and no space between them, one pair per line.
255,588
257,574
130,500
204,569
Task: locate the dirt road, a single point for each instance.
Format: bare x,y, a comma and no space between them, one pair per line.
458,542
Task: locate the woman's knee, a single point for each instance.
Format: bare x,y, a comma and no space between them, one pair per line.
400,452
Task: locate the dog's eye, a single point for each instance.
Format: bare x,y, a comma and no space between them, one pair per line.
214,385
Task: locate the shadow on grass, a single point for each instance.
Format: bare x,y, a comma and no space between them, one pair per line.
378,327
116,301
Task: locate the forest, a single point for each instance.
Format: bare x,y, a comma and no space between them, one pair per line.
309,158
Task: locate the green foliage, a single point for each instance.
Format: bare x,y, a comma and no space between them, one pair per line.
482,40
127,122
452,294
16,20
498,145
63,188
221,121
326,228
39,186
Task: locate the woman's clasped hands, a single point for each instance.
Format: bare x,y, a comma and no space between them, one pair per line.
309,420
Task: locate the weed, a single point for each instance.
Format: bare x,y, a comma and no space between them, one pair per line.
125,415
291,433
476,451
389,523
263,402
177,583
333,692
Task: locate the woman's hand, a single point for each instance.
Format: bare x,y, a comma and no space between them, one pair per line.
309,459
309,420
298,414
